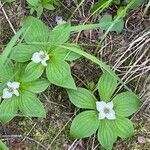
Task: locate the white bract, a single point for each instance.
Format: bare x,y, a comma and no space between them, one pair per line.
40,57
59,20
105,110
12,89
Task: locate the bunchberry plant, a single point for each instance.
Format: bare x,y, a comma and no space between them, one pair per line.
19,97
39,5
42,57
108,116
107,20
40,51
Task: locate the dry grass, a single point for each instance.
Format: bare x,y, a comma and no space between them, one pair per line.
129,55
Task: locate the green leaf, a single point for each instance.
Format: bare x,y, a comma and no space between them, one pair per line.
116,2
121,12
70,56
31,10
33,2
58,53
33,71
19,70
65,54
8,109
49,6
60,34
84,124
6,72
82,98
30,105
106,134
39,10
58,72
36,86
101,5
126,103
23,53
37,32
3,146
108,21
124,127
107,84
136,4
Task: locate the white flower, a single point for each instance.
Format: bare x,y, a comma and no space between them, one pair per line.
40,57
12,89
105,110
59,20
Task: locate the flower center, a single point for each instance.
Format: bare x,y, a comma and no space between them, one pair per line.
43,56
11,90
106,111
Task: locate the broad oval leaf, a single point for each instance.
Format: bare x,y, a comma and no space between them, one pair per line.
8,109
62,53
32,72
124,127
126,103
82,98
84,124
107,84
6,71
36,86
23,53
72,55
37,30
58,72
30,105
19,70
106,134
60,34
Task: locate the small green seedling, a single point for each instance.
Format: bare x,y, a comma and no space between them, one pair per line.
40,5
123,8
108,116
107,20
18,95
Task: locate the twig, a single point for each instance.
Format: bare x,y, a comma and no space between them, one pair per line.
6,16
21,136
71,146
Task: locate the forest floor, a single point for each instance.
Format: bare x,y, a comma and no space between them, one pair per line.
128,53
